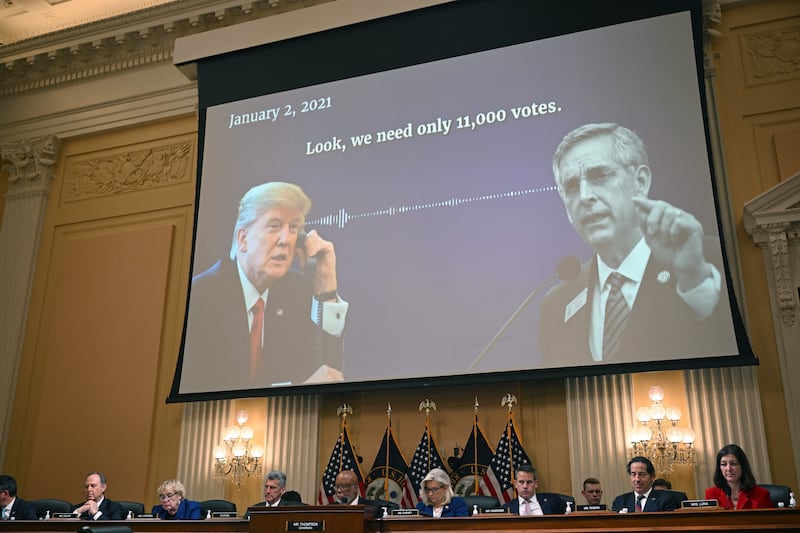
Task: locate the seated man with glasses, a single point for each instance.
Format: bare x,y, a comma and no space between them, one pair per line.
347,493
173,505
437,499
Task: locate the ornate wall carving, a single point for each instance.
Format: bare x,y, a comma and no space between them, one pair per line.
136,170
784,285
771,56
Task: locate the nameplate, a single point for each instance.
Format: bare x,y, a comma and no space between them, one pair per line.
305,525
227,514
699,503
63,515
495,510
405,512
144,515
601,507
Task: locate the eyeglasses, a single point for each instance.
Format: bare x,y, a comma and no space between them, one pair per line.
163,497
433,490
343,487
596,178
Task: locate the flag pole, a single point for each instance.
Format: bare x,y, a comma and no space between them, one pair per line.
475,447
509,399
388,436
428,405
343,411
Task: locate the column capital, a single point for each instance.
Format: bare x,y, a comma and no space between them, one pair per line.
30,165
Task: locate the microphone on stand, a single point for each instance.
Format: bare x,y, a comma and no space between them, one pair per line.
568,269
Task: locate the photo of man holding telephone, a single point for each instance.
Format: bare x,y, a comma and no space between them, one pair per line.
254,322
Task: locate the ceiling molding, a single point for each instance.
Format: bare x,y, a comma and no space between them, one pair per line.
123,43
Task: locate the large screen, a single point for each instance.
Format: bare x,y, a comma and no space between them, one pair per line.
446,195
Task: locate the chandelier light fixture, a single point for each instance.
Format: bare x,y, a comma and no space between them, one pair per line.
659,438
237,457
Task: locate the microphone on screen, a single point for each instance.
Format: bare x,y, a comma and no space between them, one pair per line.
567,270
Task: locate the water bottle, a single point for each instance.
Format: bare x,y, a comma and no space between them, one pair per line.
474,510
47,515
208,514
569,507
385,511
792,501
130,515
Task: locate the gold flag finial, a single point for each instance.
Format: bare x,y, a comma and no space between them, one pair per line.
344,410
428,405
509,399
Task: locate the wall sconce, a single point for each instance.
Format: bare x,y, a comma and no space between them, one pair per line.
664,443
237,456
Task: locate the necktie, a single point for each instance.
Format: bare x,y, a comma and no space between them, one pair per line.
527,508
255,336
639,498
6,512
616,316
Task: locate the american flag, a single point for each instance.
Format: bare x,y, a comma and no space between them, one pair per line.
342,458
426,458
499,479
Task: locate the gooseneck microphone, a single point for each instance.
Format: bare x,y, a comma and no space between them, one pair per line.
567,270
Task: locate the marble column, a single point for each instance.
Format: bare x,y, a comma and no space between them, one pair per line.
29,166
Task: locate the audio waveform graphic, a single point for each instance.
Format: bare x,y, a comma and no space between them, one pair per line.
342,217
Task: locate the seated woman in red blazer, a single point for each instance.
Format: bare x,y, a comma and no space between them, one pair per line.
734,484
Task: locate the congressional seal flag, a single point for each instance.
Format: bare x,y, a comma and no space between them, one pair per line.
343,457
386,478
426,457
469,471
499,479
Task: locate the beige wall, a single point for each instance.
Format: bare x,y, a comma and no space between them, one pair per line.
106,312
759,104
106,315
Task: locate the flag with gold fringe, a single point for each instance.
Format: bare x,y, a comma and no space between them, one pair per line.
342,458
426,458
469,471
509,455
386,479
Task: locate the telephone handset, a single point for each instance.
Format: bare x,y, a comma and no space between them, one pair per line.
311,262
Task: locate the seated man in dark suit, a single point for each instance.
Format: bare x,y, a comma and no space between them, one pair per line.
347,492
256,318
644,498
526,481
11,507
97,506
653,287
275,493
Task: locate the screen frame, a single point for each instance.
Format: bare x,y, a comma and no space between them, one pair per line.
440,31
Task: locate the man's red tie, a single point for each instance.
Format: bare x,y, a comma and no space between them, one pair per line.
256,331
639,498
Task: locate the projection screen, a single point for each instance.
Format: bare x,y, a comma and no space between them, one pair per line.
425,143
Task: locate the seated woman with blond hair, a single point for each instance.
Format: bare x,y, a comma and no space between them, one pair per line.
173,505
437,497
734,484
